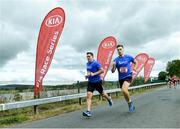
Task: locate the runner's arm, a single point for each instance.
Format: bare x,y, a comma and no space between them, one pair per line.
100,71
113,67
134,65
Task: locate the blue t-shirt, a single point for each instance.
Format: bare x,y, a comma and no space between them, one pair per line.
123,66
93,66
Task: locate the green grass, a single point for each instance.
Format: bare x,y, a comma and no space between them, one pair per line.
18,118
8,91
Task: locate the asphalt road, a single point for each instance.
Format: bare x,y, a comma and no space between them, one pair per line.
158,108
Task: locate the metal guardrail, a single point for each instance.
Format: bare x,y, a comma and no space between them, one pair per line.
27,103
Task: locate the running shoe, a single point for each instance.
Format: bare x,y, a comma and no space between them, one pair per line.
110,102
87,113
131,107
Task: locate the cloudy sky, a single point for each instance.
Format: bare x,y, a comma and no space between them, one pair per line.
150,26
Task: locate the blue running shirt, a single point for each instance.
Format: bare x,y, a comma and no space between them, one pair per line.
93,66
123,66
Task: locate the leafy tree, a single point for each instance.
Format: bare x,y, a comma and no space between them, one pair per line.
173,68
139,81
162,75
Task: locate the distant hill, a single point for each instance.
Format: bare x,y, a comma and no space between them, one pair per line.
15,86
52,87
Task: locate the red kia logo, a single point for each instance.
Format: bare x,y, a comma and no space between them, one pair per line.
107,45
53,21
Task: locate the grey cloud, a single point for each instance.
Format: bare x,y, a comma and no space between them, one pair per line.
12,43
165,54
93,4
152,22
20,21
69,59
25,14
134,23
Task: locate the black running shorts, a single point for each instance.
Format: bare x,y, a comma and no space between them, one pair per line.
95,86
128,79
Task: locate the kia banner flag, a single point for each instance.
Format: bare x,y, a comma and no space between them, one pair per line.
105,52
148,68
49,34
140,59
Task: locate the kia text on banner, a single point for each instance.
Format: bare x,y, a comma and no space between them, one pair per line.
140,59
105,53
148,68
49,34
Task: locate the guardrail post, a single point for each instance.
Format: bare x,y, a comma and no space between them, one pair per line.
149,87
35,109
80,99
100,97
132,90
117,87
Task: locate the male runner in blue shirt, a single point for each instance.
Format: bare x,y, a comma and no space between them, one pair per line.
94,70
123,64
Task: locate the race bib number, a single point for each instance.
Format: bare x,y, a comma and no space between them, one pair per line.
123,70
